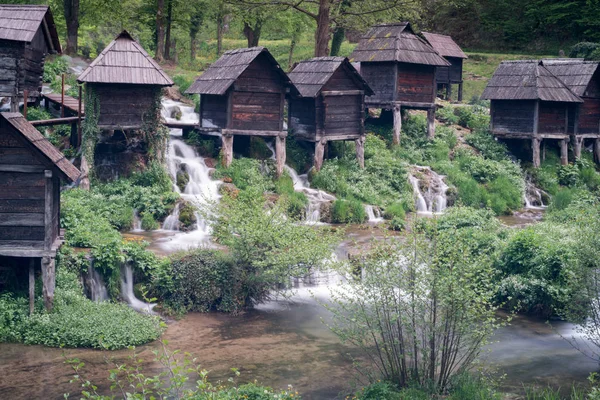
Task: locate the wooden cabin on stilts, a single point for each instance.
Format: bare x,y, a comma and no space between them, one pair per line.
400,67
330,105
529,103
27,35
453,74
31,171
123,92
583,78
243,94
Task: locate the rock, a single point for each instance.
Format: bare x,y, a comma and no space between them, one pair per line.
183,178
210,162
187,216
325,212
227,180
229,189
176,113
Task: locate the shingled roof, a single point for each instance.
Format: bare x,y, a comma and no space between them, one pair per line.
396,42
219,77
444,45
42,145
527,80
310,76
576,73
125,61
20,23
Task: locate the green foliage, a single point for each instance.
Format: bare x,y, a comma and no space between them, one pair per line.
149,223
245,173
294,202
187,215
348,212
473,117
486,144
297,156
74,321
587,50
57,66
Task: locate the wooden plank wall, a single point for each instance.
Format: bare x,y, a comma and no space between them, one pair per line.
124,105
416,83
10,54
380,77
214,111
553,117
442,75
343,115
589,116
302,117
257,96
455,70
513,116
21,195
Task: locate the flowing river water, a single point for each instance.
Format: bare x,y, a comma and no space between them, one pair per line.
286,341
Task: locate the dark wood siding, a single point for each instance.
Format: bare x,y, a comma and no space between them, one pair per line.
589,116
442,75
416,83
455,70
214,111
10,54
124,106
380,77
302,117
340,80
343,115
552,117
509,116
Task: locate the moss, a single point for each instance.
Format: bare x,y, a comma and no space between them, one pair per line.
348,211
187,216
183,179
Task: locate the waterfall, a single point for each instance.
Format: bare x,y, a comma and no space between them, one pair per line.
95,285
374,214
315,197
171,107
172,221
127,292
534,197
137,222
432,200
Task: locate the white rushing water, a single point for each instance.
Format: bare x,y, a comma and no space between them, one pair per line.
129,296
95,284
137,222
534,196
433,200
374,214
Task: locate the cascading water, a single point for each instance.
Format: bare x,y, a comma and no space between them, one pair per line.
129,296
374,214
534,197
172,221
433,200
137,222
95,285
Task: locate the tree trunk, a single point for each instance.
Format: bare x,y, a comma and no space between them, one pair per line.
160,30
252,33
338,39
295,37
323,29
71,11
168,55
220,23
195,23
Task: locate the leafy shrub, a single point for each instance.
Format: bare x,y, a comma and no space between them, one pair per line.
149,223
348,212
446,114
245,173
205,147
297,155
473,117
584,50
55,67
484,141
568,175
294,202
183,82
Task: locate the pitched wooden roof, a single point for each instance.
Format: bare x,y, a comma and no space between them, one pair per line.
527,80
42,145
444,45
396,42
576,73
310,76
20,23
219,77
125,61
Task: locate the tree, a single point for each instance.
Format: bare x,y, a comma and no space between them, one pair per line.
328,13
168,55
196,21
160,30
71,12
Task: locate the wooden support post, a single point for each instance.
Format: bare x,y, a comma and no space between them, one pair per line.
535,147
543,151
319,153
79,112
431,123
564,152
62,97
14,104
397,123
360,151
31,286
25,98
48,281
47,105
460,92
185,131
448,91
74,138
280,152
577,145
227,149
597,150
84,181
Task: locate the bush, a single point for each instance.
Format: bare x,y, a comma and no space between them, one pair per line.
55,67
348,212
245,173
484,141
585,50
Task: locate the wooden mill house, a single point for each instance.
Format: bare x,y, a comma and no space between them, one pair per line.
583,78
124,85
243,94
31,171
330,104
529,103
400,67
27,35
453,74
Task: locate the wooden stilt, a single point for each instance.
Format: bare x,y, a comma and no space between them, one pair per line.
397,123
25,99
14,104
79,112
597,150
48,280
577,145
227,149
280,153
448,91
460,92
431,123
84,181
360,151
62,97
31,286
535,147
543,151
319,154
564,152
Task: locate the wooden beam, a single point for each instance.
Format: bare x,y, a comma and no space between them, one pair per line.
343,92
56,121
536,117
25,100
79,112
360,151
535,146
319,154
48,208
597,150
243,132
62,97
31,286
48,281
397,110
280,154
564,152
227,149
431,123
21,168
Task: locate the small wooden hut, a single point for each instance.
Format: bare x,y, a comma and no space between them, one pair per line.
330,105
583,78
126,82
400,67
529,103
243,94
451,75
31,170
27,35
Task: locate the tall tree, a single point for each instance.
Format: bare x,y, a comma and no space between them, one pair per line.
71,12
160,30
168,55
196,21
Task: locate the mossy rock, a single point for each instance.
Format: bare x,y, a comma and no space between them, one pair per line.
176,113
229,189
187,216
183,178
326,212
149,223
